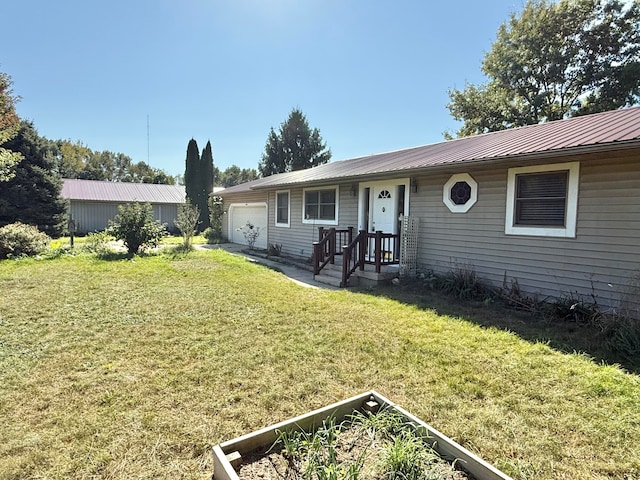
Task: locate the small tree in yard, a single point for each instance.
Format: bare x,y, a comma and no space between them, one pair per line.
214,232
187,222
136,227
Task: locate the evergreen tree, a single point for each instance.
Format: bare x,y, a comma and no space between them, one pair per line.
32,196
206,168
192,173
295,147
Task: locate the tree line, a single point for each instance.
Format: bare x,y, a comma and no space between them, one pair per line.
76,160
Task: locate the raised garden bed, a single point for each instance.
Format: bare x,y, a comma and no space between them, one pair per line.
365,437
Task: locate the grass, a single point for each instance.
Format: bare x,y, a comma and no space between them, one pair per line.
168,240
136,368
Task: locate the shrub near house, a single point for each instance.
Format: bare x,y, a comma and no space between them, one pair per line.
19,239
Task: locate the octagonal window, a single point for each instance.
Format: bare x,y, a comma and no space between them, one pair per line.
460,193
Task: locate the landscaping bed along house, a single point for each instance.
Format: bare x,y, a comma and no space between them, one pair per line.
365,437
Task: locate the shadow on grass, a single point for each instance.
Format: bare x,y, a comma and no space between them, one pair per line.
113,256
565,336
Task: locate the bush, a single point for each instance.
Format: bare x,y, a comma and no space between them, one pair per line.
461,282
274,249
136,227
18,239
98,243
213,234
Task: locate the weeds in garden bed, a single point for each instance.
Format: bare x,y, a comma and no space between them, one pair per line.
363,446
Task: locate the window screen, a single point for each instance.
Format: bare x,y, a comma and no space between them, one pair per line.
541,199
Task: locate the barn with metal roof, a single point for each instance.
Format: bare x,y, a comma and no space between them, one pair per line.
93,203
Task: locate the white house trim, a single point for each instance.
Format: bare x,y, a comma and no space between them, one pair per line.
571,212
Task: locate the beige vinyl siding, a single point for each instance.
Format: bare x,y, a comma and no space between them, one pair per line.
244,197
298,238
601,259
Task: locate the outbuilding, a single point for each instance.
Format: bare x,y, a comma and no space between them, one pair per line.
93,203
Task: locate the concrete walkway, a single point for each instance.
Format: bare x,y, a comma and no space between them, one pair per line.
296,274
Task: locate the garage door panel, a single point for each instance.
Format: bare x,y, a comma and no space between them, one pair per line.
240,214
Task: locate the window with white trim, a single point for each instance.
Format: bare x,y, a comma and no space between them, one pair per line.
543,200
283,208
320,206
460,193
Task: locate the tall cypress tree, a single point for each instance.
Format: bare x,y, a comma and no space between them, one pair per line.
192,174
206,176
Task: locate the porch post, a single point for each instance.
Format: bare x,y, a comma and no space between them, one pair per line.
378,250
316,258
332,245
346,263
362,248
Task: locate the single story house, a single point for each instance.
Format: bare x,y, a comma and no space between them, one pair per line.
93,203
553,207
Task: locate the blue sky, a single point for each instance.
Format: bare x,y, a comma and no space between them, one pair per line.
372,75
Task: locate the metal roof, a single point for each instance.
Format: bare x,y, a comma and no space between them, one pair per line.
96,191
607,130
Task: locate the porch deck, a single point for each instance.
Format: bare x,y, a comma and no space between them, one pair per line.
343,259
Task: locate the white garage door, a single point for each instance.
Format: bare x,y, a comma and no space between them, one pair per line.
254,213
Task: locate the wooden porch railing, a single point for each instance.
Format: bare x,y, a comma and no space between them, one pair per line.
376,249
324,250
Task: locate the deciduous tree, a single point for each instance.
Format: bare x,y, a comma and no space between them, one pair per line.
9,126
135,226
187,223
234,175
555,60
295,147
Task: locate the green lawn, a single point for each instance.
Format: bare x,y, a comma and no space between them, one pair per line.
135,368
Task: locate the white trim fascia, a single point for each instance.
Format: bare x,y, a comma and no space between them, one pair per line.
571,217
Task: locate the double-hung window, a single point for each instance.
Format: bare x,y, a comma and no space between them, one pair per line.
321,206
543,200
283,208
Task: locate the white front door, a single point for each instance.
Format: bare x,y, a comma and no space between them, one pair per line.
384,208
380,205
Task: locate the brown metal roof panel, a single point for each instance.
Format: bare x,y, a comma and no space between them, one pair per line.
607,127
93,190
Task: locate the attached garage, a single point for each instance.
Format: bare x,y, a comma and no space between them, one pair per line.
242,213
